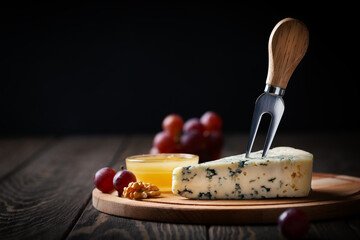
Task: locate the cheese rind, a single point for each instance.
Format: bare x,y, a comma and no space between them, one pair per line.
284,172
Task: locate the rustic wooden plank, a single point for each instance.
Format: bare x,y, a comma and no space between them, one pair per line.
331,229
334,153
354,224
14,152
176,209
24,194
97,225
94,224
44,199
244,232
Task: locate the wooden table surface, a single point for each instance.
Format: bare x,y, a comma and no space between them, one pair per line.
46,184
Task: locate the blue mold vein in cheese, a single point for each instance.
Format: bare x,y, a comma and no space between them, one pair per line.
284,172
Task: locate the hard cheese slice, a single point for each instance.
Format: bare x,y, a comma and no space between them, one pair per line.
284,172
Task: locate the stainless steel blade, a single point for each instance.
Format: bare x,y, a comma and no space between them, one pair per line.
288,43
266,103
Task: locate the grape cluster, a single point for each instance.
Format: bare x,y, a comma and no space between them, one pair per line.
201,136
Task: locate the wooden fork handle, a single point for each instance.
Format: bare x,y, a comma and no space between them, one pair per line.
288,43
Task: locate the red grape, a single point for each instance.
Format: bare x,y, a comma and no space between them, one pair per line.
122,179
178,148
214,141
173,124
103,179
211,121
154,150
293,223
192,142
164,142
215,155
193,124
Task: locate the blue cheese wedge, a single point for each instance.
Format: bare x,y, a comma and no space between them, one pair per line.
284,172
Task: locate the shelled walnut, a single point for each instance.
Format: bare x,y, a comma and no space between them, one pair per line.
140,190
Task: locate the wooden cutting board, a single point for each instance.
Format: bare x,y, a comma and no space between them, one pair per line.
332,196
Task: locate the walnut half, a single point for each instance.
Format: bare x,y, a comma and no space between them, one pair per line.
140,190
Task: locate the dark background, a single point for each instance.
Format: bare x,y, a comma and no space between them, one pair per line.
121,68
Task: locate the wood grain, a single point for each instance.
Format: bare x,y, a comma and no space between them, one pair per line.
14,152
94,224
333,229
332,196
288,43
46,194
244,232
41,200
354,224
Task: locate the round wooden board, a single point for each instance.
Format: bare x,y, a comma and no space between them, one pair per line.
332,196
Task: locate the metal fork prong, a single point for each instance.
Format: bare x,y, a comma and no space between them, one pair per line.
275,120
273,105
253,130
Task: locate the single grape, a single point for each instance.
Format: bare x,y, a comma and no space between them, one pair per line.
293,223
192,142
173,124
215,155
154,150
178,148
211,121
214,141
193,124
103,179
164,142
122,179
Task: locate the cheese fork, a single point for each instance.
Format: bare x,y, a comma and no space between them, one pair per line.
288,43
